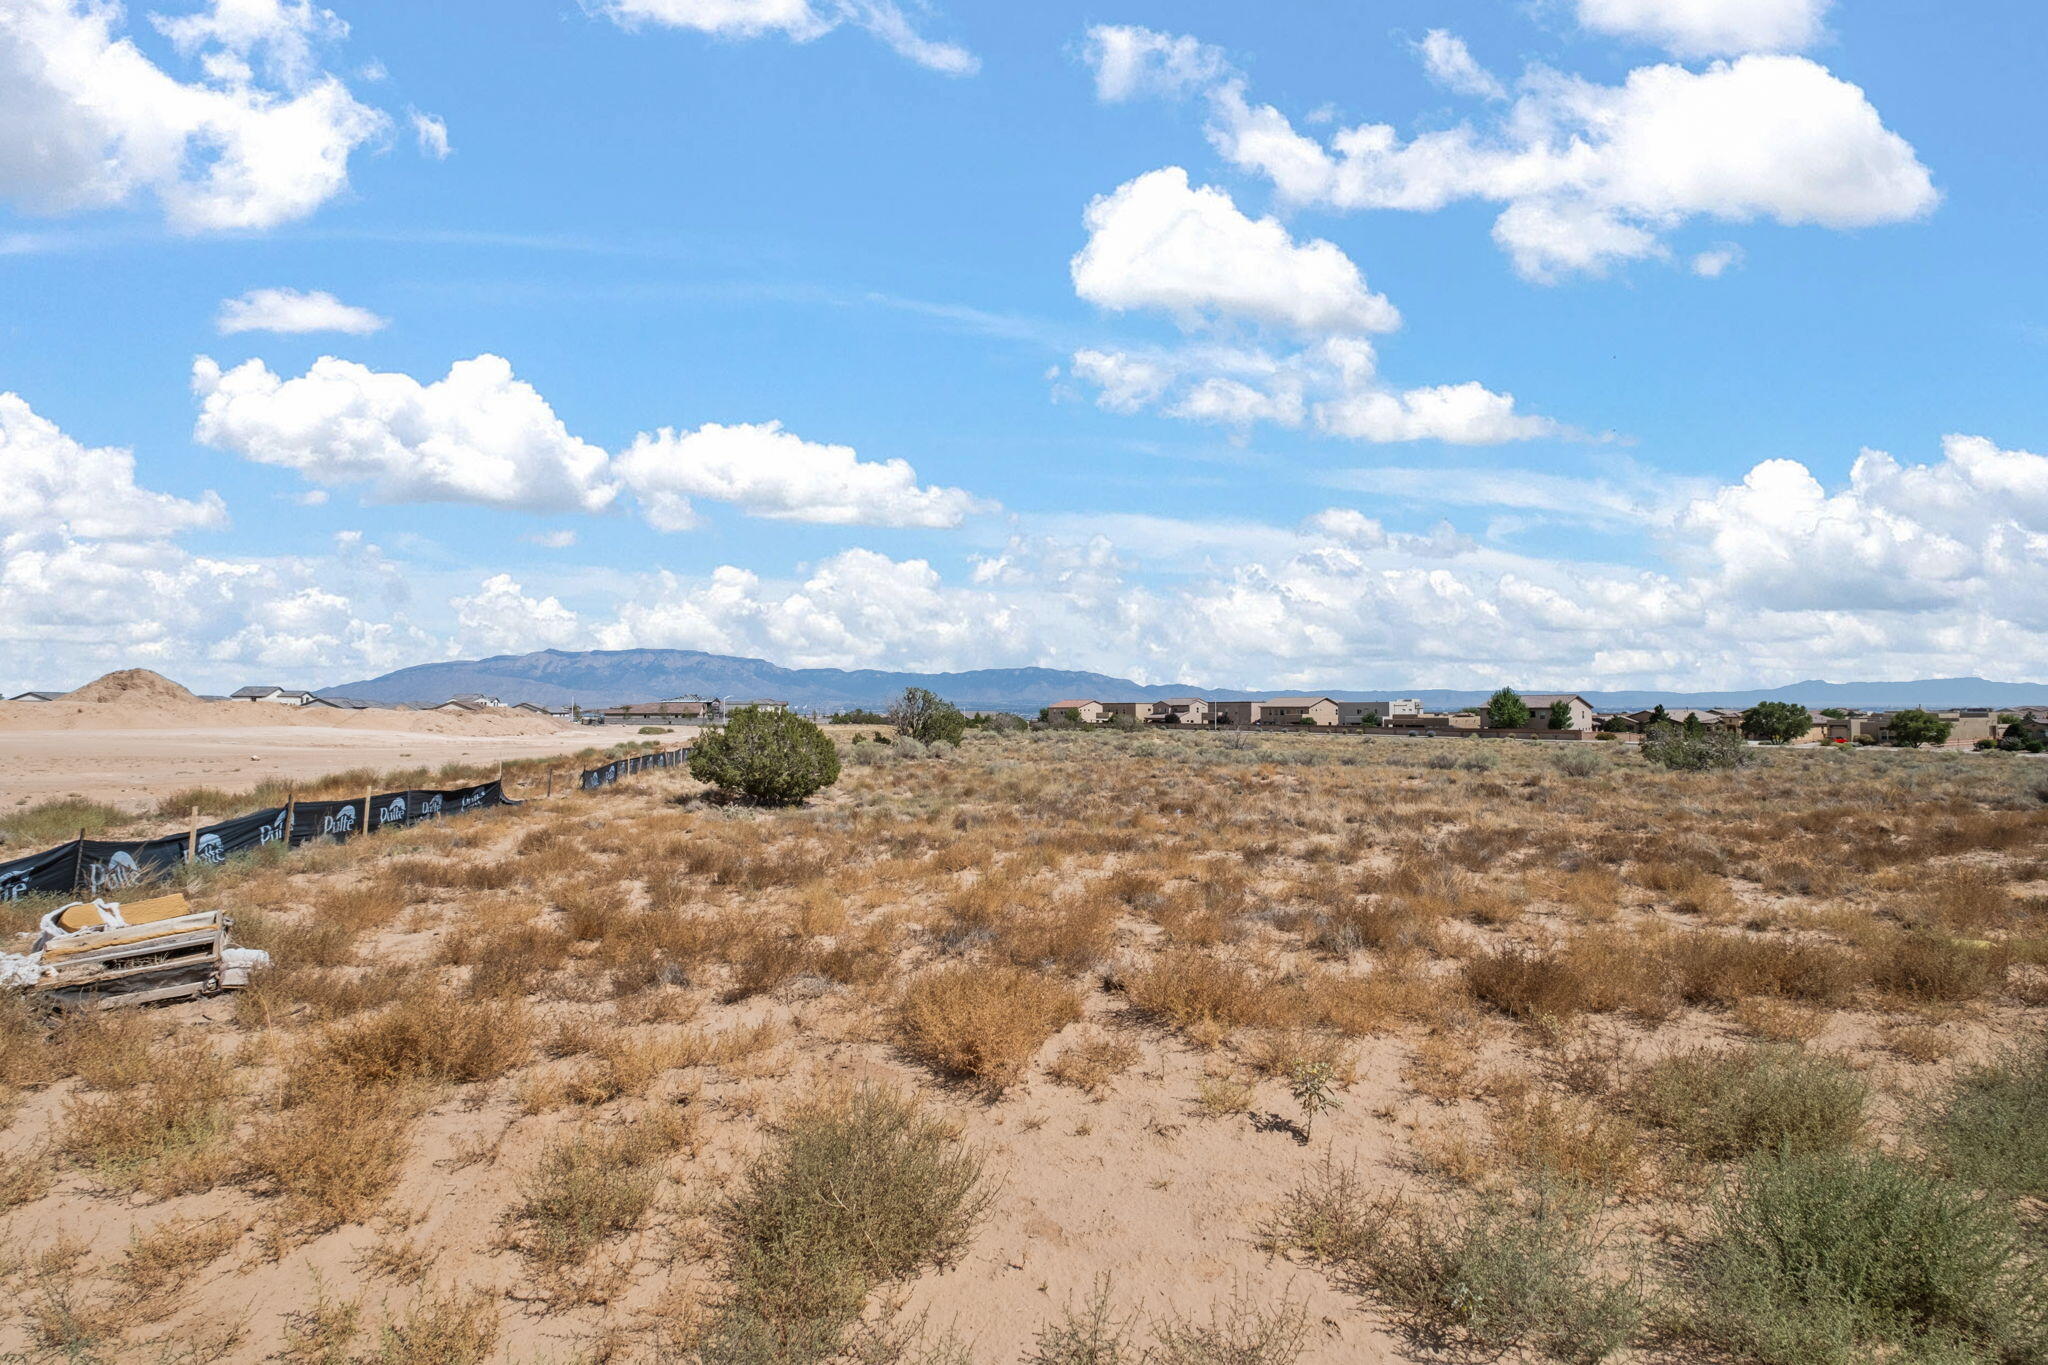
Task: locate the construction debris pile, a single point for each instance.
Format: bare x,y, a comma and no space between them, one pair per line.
99,955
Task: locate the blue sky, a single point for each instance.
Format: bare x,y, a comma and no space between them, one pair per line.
1345,345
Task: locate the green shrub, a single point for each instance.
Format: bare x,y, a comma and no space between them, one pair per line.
1690,751
770,756
1487,1276
52,822
1838,1258
1732,1104
857,1192
1777,722
1912,728
1992,1131
1495,1275
927,717
1505,710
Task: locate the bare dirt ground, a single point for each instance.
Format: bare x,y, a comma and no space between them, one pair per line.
132,768
131,737
495,1098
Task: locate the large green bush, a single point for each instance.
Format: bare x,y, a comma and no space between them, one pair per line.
927,717
1505,710
1777,722
1681,750
1841,1258
771,756
1992,1131
1910,729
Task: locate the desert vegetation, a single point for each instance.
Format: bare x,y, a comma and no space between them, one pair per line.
1093,1047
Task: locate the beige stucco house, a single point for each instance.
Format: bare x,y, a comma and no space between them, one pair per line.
1297,710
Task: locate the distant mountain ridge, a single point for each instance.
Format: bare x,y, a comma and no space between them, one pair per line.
609,677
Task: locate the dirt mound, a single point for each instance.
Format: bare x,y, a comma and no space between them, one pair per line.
134,687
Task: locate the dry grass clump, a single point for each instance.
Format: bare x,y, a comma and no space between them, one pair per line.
1200,994
428,1034
590,1186
983,1023
1714,968
1566,1139
766,961
1527,984
440,1327
1927,967
168,1136
1074,935
332,1157
1360,1006
1091,1063
25,1176
1968,901
170,1254
1242,1331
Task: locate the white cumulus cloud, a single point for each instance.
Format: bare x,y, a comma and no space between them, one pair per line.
1450,64
87,121
769,472
799,21
53,486
1158,242
1131,61
1591,175
1710,28
480,435
431,132
294,311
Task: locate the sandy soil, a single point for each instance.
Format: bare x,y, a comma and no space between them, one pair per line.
134,768
130,737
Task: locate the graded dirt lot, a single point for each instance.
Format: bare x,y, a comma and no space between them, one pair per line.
1280,1048
133,767
131,737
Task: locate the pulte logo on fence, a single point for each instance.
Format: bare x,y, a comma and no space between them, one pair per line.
95,865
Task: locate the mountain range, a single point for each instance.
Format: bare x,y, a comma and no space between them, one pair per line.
609,677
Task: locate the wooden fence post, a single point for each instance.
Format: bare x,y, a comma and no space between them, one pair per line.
192,837
369,795
291,812
78,863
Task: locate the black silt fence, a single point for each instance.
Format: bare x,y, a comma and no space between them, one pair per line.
593,778
95,866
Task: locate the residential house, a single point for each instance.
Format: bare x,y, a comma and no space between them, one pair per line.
38,696
1139,711
1297,711
1087,712
281,695
1539,704
1235,712
1181,711
1355,712
761,704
